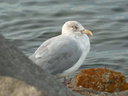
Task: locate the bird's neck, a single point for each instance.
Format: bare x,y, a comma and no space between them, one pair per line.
83,38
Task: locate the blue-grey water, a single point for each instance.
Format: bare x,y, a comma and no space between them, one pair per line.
28,23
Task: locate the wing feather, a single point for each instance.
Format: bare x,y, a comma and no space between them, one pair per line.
57,54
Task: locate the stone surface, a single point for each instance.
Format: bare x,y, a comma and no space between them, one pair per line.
13,87
100,79
91,92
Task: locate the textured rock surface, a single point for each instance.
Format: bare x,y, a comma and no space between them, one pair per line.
91,92
13,87
100,79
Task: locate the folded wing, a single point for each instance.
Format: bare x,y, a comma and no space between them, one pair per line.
57,54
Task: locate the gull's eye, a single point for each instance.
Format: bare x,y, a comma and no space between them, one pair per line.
76,27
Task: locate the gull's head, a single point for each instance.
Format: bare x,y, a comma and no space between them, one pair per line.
74,27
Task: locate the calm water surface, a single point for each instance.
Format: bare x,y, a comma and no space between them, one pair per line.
28,23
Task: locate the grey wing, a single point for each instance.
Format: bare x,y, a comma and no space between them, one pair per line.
57,54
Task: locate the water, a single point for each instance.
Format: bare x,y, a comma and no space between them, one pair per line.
28,23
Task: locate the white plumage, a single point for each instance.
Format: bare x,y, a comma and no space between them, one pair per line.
64,54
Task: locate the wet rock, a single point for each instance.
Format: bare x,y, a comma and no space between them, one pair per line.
100,79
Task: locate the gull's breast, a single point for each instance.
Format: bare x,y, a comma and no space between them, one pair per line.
78,63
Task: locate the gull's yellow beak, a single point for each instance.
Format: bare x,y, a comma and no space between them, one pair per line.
88,32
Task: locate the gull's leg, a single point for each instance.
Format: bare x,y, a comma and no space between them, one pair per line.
65,81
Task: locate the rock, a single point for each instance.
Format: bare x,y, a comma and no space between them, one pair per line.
13,87
101,79
91,92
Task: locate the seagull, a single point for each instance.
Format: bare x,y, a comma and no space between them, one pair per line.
64,54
